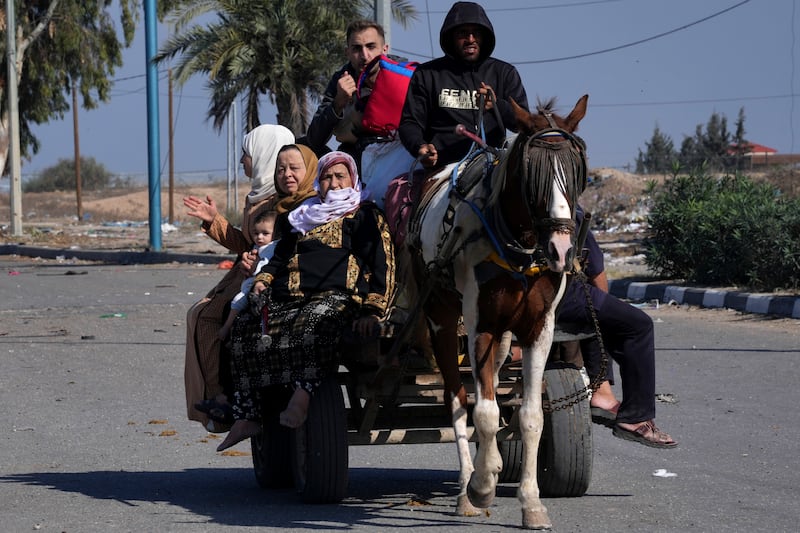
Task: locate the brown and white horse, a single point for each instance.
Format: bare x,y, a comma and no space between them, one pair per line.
499,253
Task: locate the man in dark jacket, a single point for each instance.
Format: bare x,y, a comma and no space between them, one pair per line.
445,92
365,42
629,337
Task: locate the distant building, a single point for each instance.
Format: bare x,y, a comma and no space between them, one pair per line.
759,156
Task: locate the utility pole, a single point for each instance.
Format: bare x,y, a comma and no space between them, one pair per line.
153,152
77,144
171,152
383,16
13,122
229,158
234,139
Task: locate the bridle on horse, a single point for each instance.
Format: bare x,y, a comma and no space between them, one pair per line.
546,139
560,154
509,252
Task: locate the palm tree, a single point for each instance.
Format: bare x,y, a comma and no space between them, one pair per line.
284,48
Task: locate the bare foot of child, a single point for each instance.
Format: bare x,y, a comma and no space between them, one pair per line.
297,410
241,430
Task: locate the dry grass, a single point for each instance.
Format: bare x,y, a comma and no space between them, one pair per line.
105,206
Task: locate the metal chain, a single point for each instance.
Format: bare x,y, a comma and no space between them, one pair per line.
435,267
579,396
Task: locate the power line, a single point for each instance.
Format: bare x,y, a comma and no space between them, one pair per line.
127,78
535,8
140,90
605,50
634,43
701,101
535,61
161,74
791,79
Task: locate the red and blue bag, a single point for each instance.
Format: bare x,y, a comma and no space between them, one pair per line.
387,94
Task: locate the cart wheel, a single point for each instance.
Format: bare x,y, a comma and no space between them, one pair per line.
320,447
272,456
511,453
565,452
272,449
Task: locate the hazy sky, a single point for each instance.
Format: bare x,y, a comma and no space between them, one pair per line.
642,62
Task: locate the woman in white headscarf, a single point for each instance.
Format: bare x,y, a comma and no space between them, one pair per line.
205,377
314,287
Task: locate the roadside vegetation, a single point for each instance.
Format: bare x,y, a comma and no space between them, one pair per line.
61,177
709,223
724,230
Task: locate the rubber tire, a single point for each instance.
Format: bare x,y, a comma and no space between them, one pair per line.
272,453
320,462
565,452
511,453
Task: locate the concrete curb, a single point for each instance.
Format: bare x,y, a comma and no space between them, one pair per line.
766,304
122,257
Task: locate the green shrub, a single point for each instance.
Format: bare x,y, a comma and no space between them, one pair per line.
725,231
61,177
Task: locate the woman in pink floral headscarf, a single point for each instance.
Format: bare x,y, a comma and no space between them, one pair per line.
314,288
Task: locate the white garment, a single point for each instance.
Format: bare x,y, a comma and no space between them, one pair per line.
262,144
265,253
337,203
380,164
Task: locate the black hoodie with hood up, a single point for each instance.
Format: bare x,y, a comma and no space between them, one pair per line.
443,92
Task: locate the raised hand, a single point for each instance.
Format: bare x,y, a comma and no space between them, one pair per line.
205,210
345,89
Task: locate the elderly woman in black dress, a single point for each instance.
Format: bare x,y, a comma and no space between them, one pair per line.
332,269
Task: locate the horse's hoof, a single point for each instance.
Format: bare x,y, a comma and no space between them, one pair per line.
536,519
481,501
465,508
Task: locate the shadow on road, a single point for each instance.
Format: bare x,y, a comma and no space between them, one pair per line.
230,496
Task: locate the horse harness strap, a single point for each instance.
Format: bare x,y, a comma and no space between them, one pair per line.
530,271
548,114
476,169
415,221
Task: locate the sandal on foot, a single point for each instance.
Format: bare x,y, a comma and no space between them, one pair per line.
218,412
604,417
647,434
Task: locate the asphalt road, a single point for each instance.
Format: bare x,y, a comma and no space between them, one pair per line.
94,434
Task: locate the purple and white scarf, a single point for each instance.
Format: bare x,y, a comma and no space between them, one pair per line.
336,204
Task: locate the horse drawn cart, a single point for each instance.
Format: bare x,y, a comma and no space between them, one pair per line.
376,400
493,239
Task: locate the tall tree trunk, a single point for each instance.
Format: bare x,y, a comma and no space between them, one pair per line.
22,44
251,111
5,142
302,98
289,113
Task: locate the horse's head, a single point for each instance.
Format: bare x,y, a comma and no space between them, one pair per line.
545,174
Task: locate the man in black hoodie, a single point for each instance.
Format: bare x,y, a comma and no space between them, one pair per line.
445,92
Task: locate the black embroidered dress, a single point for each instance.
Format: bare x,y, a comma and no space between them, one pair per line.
320,282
